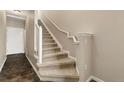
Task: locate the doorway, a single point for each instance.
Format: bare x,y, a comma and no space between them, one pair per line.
15,35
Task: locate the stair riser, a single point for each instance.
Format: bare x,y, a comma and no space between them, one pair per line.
48,40
44,30
46,34
47,37
55,79
55,57
49,46
60,66
51,51
45,42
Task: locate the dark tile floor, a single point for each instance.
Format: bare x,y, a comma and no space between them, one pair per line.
18,69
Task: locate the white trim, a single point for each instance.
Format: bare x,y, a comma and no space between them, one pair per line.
67,33
71,57
94,78
58,43
3,64
38,74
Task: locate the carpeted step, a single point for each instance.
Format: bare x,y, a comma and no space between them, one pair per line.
49,45
46,34
65,74
51,50
45,49
45,31
54,56
47,37
62,63
48,40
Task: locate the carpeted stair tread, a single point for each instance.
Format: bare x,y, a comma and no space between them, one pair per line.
54,54
49,44
47,37
64,61
45,49
65,73
48,40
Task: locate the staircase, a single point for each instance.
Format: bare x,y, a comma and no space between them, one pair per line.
56,65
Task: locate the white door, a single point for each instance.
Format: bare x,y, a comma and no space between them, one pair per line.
15,40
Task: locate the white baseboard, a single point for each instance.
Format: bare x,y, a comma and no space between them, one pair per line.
38,74
94,78
3,64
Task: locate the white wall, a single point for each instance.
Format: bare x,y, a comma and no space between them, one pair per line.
108,27
2,38
15,36
30,36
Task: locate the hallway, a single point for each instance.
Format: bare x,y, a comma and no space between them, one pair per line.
18,69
